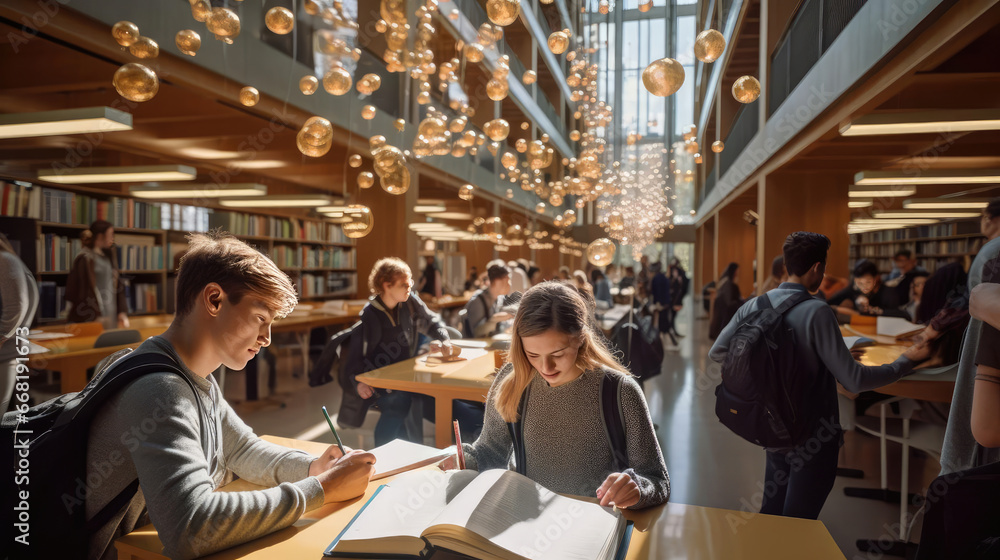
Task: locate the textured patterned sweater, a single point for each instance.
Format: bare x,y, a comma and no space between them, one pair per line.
567,447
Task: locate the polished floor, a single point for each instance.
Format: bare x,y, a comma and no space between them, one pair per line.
708,465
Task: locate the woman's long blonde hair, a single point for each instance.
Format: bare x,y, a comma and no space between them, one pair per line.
547,306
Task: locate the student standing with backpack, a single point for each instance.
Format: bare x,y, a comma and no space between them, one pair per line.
564,413
782,356
151,433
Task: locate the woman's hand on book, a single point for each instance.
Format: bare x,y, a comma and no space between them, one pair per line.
620,490
348,478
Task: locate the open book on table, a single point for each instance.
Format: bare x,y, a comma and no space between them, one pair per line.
494,515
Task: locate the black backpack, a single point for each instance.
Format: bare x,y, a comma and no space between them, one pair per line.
762,394
336,353
53,436
640,344
614,420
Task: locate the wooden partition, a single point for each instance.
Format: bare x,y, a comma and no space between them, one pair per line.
807,202
737,241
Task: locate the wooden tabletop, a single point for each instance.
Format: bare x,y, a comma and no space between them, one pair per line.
468,379
664,532
447,302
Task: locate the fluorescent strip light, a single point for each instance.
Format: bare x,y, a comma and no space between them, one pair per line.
451,215
257,163
946,203
902,214
863,203
929,177
335,208
856,191
65,121
426,209
916,122
430,226
207,190
136,174
286,201
893,221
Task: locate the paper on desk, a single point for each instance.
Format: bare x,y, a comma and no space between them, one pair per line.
48,335
895,326
400,456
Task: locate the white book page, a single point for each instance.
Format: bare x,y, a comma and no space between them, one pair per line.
520,515
400,455
407,504
894,326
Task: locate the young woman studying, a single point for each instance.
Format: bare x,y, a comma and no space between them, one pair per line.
552,390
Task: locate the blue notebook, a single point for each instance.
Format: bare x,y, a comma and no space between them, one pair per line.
464,514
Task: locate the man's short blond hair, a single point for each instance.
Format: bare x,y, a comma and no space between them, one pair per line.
389,269
237,267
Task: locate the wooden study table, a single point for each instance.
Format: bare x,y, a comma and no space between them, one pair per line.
466,380
933,388
670,531
73,355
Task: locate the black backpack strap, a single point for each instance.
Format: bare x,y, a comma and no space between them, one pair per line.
516,430
112,507
614,420
793,300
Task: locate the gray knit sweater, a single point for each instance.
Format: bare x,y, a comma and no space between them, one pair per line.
567,447
152,427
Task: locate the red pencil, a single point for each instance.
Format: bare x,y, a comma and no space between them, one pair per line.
458,446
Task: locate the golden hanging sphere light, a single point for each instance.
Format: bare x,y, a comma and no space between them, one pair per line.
718,146
603,7
136,82
663,77
529,77
368,112
224,24
366,179
497,129
521,145
473,52
601,252
249,96
354,161
555,199
746,89
369,84
315,137
709,45
188,41
645,5
509,160
697,157
496,89
125,33
540,208
525,125
201,10
279,20
616,222
337,81
558,42
400,124
144,47
503,12
574,135
376,142
311,7
308,85
509,194
397,182
359,221
465,192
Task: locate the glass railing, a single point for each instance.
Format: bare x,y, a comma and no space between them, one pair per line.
814,28
744,129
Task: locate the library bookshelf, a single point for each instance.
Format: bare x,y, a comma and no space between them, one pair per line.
44,225
933,246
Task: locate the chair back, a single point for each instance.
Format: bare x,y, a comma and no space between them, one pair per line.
117,337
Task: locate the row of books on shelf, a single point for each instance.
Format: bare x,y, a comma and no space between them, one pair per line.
270,226
53,205
142,298
920,232
316,285
58,253
312,257
969,245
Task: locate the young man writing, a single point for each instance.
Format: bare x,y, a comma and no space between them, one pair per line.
798,482
482,312
183,444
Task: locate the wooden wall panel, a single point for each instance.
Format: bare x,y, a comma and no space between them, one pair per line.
737,243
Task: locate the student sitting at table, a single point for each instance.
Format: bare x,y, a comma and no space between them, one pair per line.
798,483
182,445
867,296
482,312
390,325
552,387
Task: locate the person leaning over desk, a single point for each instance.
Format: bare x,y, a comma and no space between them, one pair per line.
557,365
228,294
